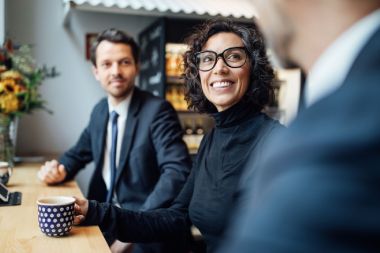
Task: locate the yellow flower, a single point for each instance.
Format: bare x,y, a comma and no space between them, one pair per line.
19,89
9,103
8,86
11,74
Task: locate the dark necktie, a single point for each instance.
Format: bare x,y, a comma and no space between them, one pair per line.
114,117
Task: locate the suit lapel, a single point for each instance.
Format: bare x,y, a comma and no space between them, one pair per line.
129,132
368,59
101,127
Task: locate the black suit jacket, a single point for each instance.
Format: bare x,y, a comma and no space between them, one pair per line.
154,162
318,188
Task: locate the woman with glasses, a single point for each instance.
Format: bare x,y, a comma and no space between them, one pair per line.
227,76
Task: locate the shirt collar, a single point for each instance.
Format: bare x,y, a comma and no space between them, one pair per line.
331,68
122,107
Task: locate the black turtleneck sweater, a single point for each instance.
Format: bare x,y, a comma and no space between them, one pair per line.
208,196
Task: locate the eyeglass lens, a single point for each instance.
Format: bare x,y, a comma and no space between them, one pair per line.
233,57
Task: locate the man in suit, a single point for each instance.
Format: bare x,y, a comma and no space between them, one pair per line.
316,189
134,139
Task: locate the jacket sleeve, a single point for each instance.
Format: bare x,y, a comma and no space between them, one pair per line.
80,154
144,226
172,158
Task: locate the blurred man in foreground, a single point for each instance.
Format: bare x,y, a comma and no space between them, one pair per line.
317,189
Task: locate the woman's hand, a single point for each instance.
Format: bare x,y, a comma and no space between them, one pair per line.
81,208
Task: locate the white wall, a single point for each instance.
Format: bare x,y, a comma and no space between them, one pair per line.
2,21
72,95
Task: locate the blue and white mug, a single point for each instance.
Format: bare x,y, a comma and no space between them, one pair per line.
55,215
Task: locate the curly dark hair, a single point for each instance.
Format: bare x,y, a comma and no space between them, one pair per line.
115,36
260,91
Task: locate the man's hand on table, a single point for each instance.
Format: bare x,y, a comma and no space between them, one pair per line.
52,172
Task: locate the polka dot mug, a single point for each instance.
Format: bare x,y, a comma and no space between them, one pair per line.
55,215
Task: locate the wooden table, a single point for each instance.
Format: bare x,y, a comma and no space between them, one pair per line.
19,231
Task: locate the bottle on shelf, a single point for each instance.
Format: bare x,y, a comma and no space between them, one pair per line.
179,63
174,59
170,66
176,96
199,132
189,136
169,94
182,104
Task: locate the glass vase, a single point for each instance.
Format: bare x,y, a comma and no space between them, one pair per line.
7,150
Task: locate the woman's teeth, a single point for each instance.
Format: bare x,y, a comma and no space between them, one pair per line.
221,84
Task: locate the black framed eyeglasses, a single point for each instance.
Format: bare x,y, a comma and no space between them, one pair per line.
233,57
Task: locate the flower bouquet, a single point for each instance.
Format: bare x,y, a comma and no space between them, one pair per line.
20,79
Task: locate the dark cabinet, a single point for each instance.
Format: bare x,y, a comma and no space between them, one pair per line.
152,59
162,47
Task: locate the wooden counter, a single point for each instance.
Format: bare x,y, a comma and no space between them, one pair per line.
19,231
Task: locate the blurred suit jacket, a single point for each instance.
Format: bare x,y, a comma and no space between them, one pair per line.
318,188
154,162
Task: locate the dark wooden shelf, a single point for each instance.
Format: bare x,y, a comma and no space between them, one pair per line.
175,80
187,112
